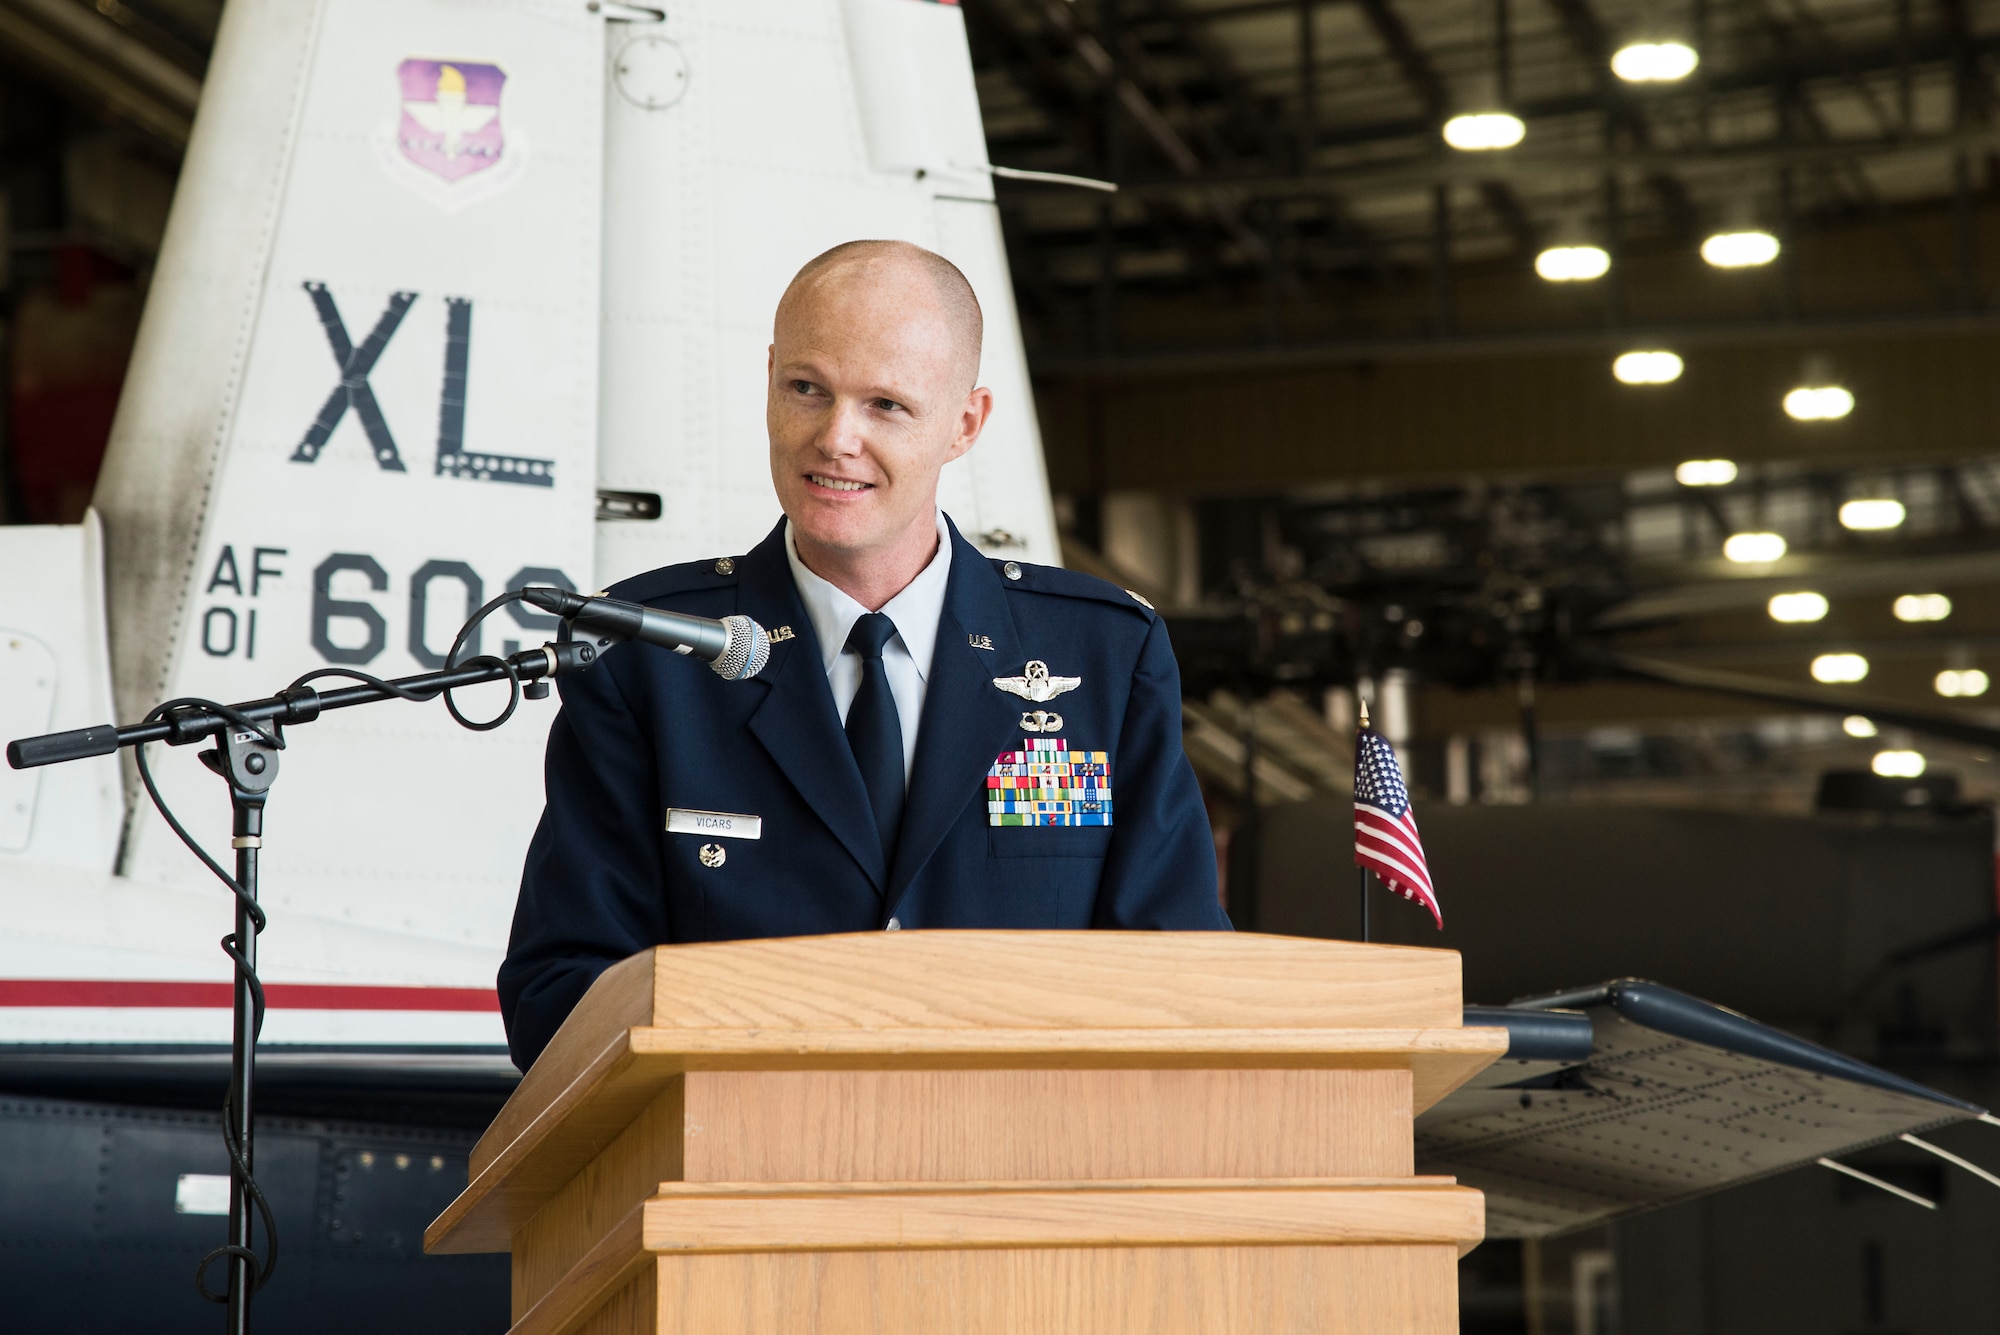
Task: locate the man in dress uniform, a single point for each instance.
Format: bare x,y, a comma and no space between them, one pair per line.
939,739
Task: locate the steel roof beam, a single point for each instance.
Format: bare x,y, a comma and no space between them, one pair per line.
1887,60
1042,70
1434,95
1592,41
1522,164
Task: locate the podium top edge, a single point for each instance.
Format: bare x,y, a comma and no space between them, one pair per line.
994,979
871,984
973,998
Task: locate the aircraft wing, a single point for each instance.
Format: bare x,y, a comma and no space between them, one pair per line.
1630,1095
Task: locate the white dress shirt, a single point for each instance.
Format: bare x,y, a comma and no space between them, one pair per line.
906,657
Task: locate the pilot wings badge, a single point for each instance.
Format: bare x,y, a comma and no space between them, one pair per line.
1036,684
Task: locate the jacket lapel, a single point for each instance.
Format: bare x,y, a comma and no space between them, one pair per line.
797,722
966,721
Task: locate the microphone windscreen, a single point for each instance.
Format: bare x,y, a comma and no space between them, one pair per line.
749,650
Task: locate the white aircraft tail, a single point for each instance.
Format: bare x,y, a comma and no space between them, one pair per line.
437,274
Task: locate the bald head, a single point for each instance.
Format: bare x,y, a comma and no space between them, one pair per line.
873,388
901,280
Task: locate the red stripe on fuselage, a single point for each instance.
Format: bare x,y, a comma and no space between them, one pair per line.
126,994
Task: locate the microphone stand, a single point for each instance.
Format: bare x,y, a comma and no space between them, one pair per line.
248,737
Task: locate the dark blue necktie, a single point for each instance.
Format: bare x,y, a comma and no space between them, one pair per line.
874,731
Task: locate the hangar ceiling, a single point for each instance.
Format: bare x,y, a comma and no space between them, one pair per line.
1302,364
1282,159
1298,264
1300,369
1286,197
137,64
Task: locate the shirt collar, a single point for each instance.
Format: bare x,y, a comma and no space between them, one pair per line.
916,610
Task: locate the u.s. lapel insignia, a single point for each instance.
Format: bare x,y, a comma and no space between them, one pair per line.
980,642
781,633
1047,783
1036,684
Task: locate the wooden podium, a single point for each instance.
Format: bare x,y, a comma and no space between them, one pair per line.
986,1133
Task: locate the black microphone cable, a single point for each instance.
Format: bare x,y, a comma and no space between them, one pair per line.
465,633
262,1268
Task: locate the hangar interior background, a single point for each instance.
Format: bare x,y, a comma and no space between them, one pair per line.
1305,384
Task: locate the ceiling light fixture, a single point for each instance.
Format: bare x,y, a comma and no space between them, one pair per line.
1922,607
1818,403
1573,264
1740,250
1754,548
1647,368
1899,764
1795,607
1955,682
1835,668
1654,62
1858,725
1866,516
1706,473
1484,131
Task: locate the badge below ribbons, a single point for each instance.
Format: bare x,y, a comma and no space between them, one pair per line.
1046,783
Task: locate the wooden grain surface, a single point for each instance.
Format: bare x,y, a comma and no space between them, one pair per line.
551,1147
1060,980
620,999
910,1001
1082,1291
928,1126
596,1106
1440,1060
633,1309
1225,1255
595,1281
607,1190
688,1217
739,991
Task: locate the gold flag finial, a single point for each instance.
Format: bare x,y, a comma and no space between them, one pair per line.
1364,710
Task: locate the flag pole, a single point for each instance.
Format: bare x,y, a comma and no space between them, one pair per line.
1362,871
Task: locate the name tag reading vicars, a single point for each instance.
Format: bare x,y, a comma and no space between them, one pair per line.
714,824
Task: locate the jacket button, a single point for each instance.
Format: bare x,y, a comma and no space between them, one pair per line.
1012,570
895,925
725,566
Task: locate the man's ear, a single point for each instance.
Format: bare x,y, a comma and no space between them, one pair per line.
971,421
770,362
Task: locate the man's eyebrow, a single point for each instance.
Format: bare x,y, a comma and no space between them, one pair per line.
805,368
908,398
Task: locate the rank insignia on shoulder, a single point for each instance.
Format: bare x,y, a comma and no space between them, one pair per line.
1047,783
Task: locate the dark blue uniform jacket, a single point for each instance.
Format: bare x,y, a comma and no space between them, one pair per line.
646,730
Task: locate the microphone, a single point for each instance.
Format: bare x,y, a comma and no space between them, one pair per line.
736,647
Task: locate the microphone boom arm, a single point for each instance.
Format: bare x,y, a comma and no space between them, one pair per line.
297,704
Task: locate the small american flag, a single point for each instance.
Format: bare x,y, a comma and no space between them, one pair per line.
1385,829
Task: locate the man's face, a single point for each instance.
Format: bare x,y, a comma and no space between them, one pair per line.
867,402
